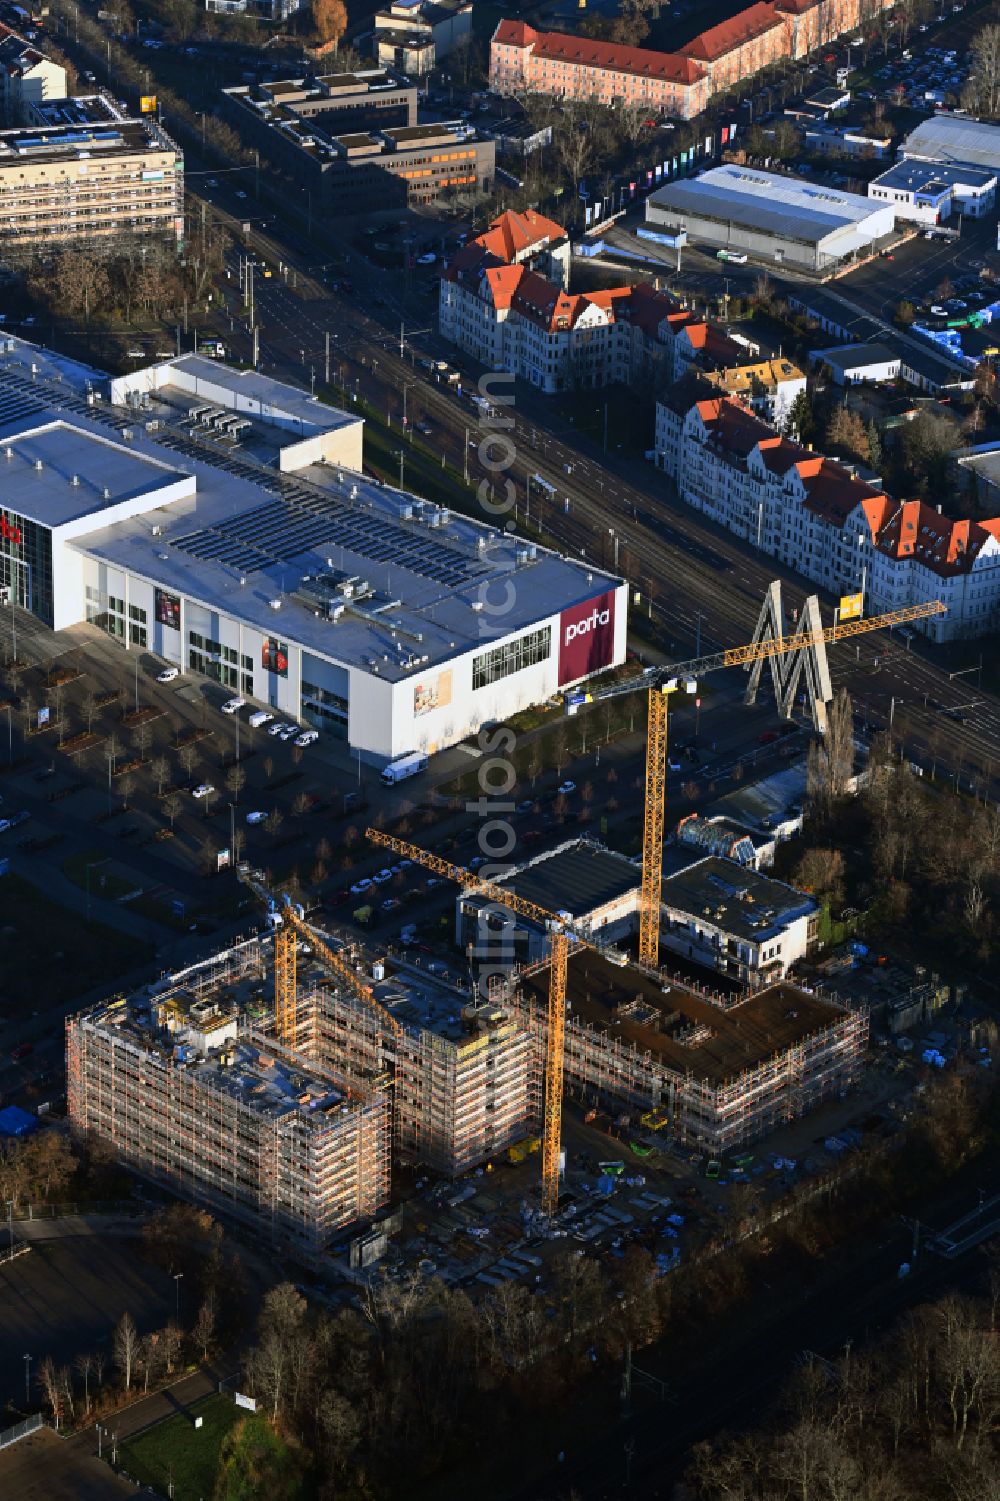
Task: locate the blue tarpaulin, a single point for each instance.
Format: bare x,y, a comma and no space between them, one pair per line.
16,1122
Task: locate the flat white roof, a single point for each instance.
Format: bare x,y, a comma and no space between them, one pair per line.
241,535
58,472
768,202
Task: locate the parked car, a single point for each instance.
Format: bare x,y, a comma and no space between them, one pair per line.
233,705
287,731
256,817
565,788
168,674
276,728
360,887
203,789
307,737
259,717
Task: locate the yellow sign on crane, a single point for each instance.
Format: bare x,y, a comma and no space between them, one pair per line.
852,607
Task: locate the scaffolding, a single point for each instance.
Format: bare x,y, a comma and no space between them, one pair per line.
193,1088
459,1098
649,1051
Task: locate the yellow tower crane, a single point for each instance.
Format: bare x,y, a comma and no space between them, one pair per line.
561,931
660,682
290,924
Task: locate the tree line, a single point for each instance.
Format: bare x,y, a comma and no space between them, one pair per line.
913,1416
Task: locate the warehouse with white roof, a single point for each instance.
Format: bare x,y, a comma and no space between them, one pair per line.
784,220
334,599
954,140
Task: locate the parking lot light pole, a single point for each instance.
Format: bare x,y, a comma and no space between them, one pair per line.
177,1296
27,1380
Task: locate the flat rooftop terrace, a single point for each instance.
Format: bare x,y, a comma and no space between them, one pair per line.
42,143
634,1008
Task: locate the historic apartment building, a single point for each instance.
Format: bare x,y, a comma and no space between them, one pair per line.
499,303
675,83
816,516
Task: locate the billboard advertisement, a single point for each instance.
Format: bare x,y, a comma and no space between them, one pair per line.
168,609
274,656
586,637
432,693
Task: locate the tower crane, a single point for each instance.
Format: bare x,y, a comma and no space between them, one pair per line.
659,681
562,931
289,924
810,638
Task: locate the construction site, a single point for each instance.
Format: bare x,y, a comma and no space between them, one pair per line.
285,1080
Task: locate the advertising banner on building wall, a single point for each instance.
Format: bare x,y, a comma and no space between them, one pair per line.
586,637
168,609
432,693
274,656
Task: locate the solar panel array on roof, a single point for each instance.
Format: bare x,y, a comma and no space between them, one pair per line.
15,407
287,527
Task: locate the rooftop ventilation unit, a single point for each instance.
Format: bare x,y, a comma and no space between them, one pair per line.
39,465
75,482
275,604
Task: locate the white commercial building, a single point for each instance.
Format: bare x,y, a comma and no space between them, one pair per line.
954,140
334,599
853,364
770,216
930,192
817,517
729,917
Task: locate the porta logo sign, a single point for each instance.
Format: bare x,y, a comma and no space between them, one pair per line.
590,622
586,637
9,533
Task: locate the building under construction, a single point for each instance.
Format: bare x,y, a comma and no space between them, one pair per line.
467,1075
192,1089
723,1073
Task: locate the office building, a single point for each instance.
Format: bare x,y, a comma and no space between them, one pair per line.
931,192
352,143
86,173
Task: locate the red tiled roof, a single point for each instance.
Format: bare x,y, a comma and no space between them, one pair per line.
918,532
832,493
512,233
503,283
560,46
795,7
753,22
732,426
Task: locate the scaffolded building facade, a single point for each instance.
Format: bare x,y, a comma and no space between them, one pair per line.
466,1081
193,1091
723,1074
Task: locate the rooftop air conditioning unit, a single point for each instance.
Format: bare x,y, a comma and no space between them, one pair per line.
275,604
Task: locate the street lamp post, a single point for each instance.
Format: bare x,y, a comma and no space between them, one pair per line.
27,1380
177,1296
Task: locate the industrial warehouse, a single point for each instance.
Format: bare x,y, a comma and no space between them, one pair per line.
774,217
221,520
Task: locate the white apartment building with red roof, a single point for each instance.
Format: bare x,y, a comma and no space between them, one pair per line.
816,516
497,305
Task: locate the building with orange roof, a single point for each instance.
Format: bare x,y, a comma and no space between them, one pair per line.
504,300
677,83
576,67
735,49
817,516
